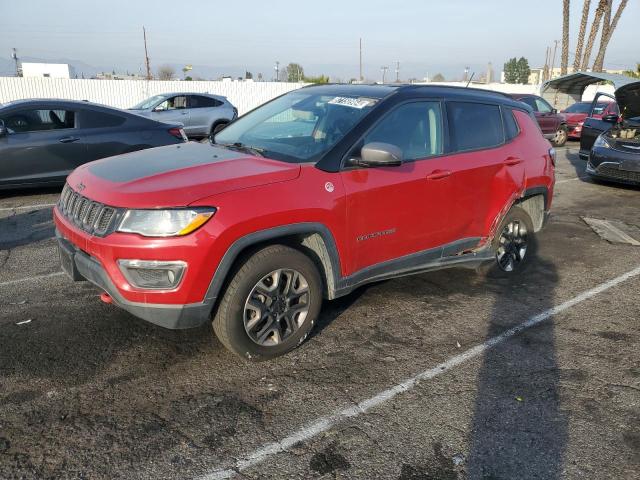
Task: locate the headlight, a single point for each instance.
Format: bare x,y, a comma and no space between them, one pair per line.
165,223
601,142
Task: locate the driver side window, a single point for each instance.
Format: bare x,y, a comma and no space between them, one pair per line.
36,120
543,106
416,128
172,103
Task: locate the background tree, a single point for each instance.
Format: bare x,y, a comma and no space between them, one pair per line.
438,77
295,72
595,26
632,73
511,71
248,76
523,70
320,79
607,31
564,59
166,72
584,20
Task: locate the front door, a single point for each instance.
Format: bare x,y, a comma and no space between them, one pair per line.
172,110
42,145
397,211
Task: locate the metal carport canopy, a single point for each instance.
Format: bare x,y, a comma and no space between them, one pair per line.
564,91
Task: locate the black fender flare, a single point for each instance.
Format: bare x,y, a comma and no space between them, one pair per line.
326,251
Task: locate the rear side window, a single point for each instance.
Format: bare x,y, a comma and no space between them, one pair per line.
93,119
414,127
474,125
511,129
34,120
197,101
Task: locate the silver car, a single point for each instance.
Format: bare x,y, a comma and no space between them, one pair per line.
201,113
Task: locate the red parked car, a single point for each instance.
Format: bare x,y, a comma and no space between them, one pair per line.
307,198
578,112
553,124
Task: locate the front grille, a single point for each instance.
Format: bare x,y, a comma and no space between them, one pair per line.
612,172
93,217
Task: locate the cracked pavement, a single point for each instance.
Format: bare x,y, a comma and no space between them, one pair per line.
89,392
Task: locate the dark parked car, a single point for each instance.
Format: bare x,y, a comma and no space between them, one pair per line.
579,111
612,143
42,141
552,123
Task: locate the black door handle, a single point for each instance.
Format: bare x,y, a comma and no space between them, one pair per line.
68,139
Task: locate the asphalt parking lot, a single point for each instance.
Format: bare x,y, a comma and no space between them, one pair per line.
436,376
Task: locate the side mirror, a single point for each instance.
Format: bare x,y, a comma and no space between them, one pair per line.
3,129
378,154
554,110
610,118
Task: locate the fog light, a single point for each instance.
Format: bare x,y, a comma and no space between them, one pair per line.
153,274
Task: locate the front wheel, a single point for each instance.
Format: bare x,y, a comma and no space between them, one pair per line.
513,246
560,138
270,304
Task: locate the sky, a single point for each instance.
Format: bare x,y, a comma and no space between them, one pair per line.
425,36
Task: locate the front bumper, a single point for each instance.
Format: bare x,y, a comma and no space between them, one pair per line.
614,165
80,266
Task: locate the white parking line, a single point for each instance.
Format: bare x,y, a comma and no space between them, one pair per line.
571,179
325,423
29,279
27,207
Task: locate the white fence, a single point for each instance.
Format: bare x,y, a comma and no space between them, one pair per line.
126,93
244,95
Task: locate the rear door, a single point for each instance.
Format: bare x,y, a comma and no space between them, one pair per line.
397,211
42,147
593,126
487,166
202,111
104,135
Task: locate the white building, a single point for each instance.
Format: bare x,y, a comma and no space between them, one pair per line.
52,70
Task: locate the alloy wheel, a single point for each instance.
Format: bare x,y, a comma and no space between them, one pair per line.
560,137
512,247
276,307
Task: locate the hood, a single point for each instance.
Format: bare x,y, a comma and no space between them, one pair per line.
175,175
628,98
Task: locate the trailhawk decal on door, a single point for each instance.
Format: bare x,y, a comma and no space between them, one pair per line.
381,233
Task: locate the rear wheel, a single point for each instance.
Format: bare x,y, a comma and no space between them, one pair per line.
270,304
513,246
216,127
560,138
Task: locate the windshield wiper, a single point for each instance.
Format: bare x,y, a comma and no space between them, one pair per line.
241,147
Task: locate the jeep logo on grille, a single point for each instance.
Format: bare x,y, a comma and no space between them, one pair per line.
81,186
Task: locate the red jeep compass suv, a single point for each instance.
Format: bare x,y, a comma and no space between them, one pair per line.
307,197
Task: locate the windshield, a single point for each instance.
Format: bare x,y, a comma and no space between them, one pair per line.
298,127
148,103
579,108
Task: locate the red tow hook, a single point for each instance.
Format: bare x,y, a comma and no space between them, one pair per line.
106,298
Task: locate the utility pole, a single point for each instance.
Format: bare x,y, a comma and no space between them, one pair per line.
277,69
14,55
384,73
397,72
553,62
146,55
361,77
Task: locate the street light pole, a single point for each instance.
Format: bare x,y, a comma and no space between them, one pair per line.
384,72
277,69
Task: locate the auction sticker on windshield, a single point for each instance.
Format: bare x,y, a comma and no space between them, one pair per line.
353,102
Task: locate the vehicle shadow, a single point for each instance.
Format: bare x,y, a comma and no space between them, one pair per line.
29,192
519,429
26,228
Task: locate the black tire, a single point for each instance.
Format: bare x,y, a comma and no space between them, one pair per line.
216,127
561,136
229,320
496,268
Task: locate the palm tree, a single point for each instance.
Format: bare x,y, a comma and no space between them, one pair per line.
565,38
595,26
583,28
607,32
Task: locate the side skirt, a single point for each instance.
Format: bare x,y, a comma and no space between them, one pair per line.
438,258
